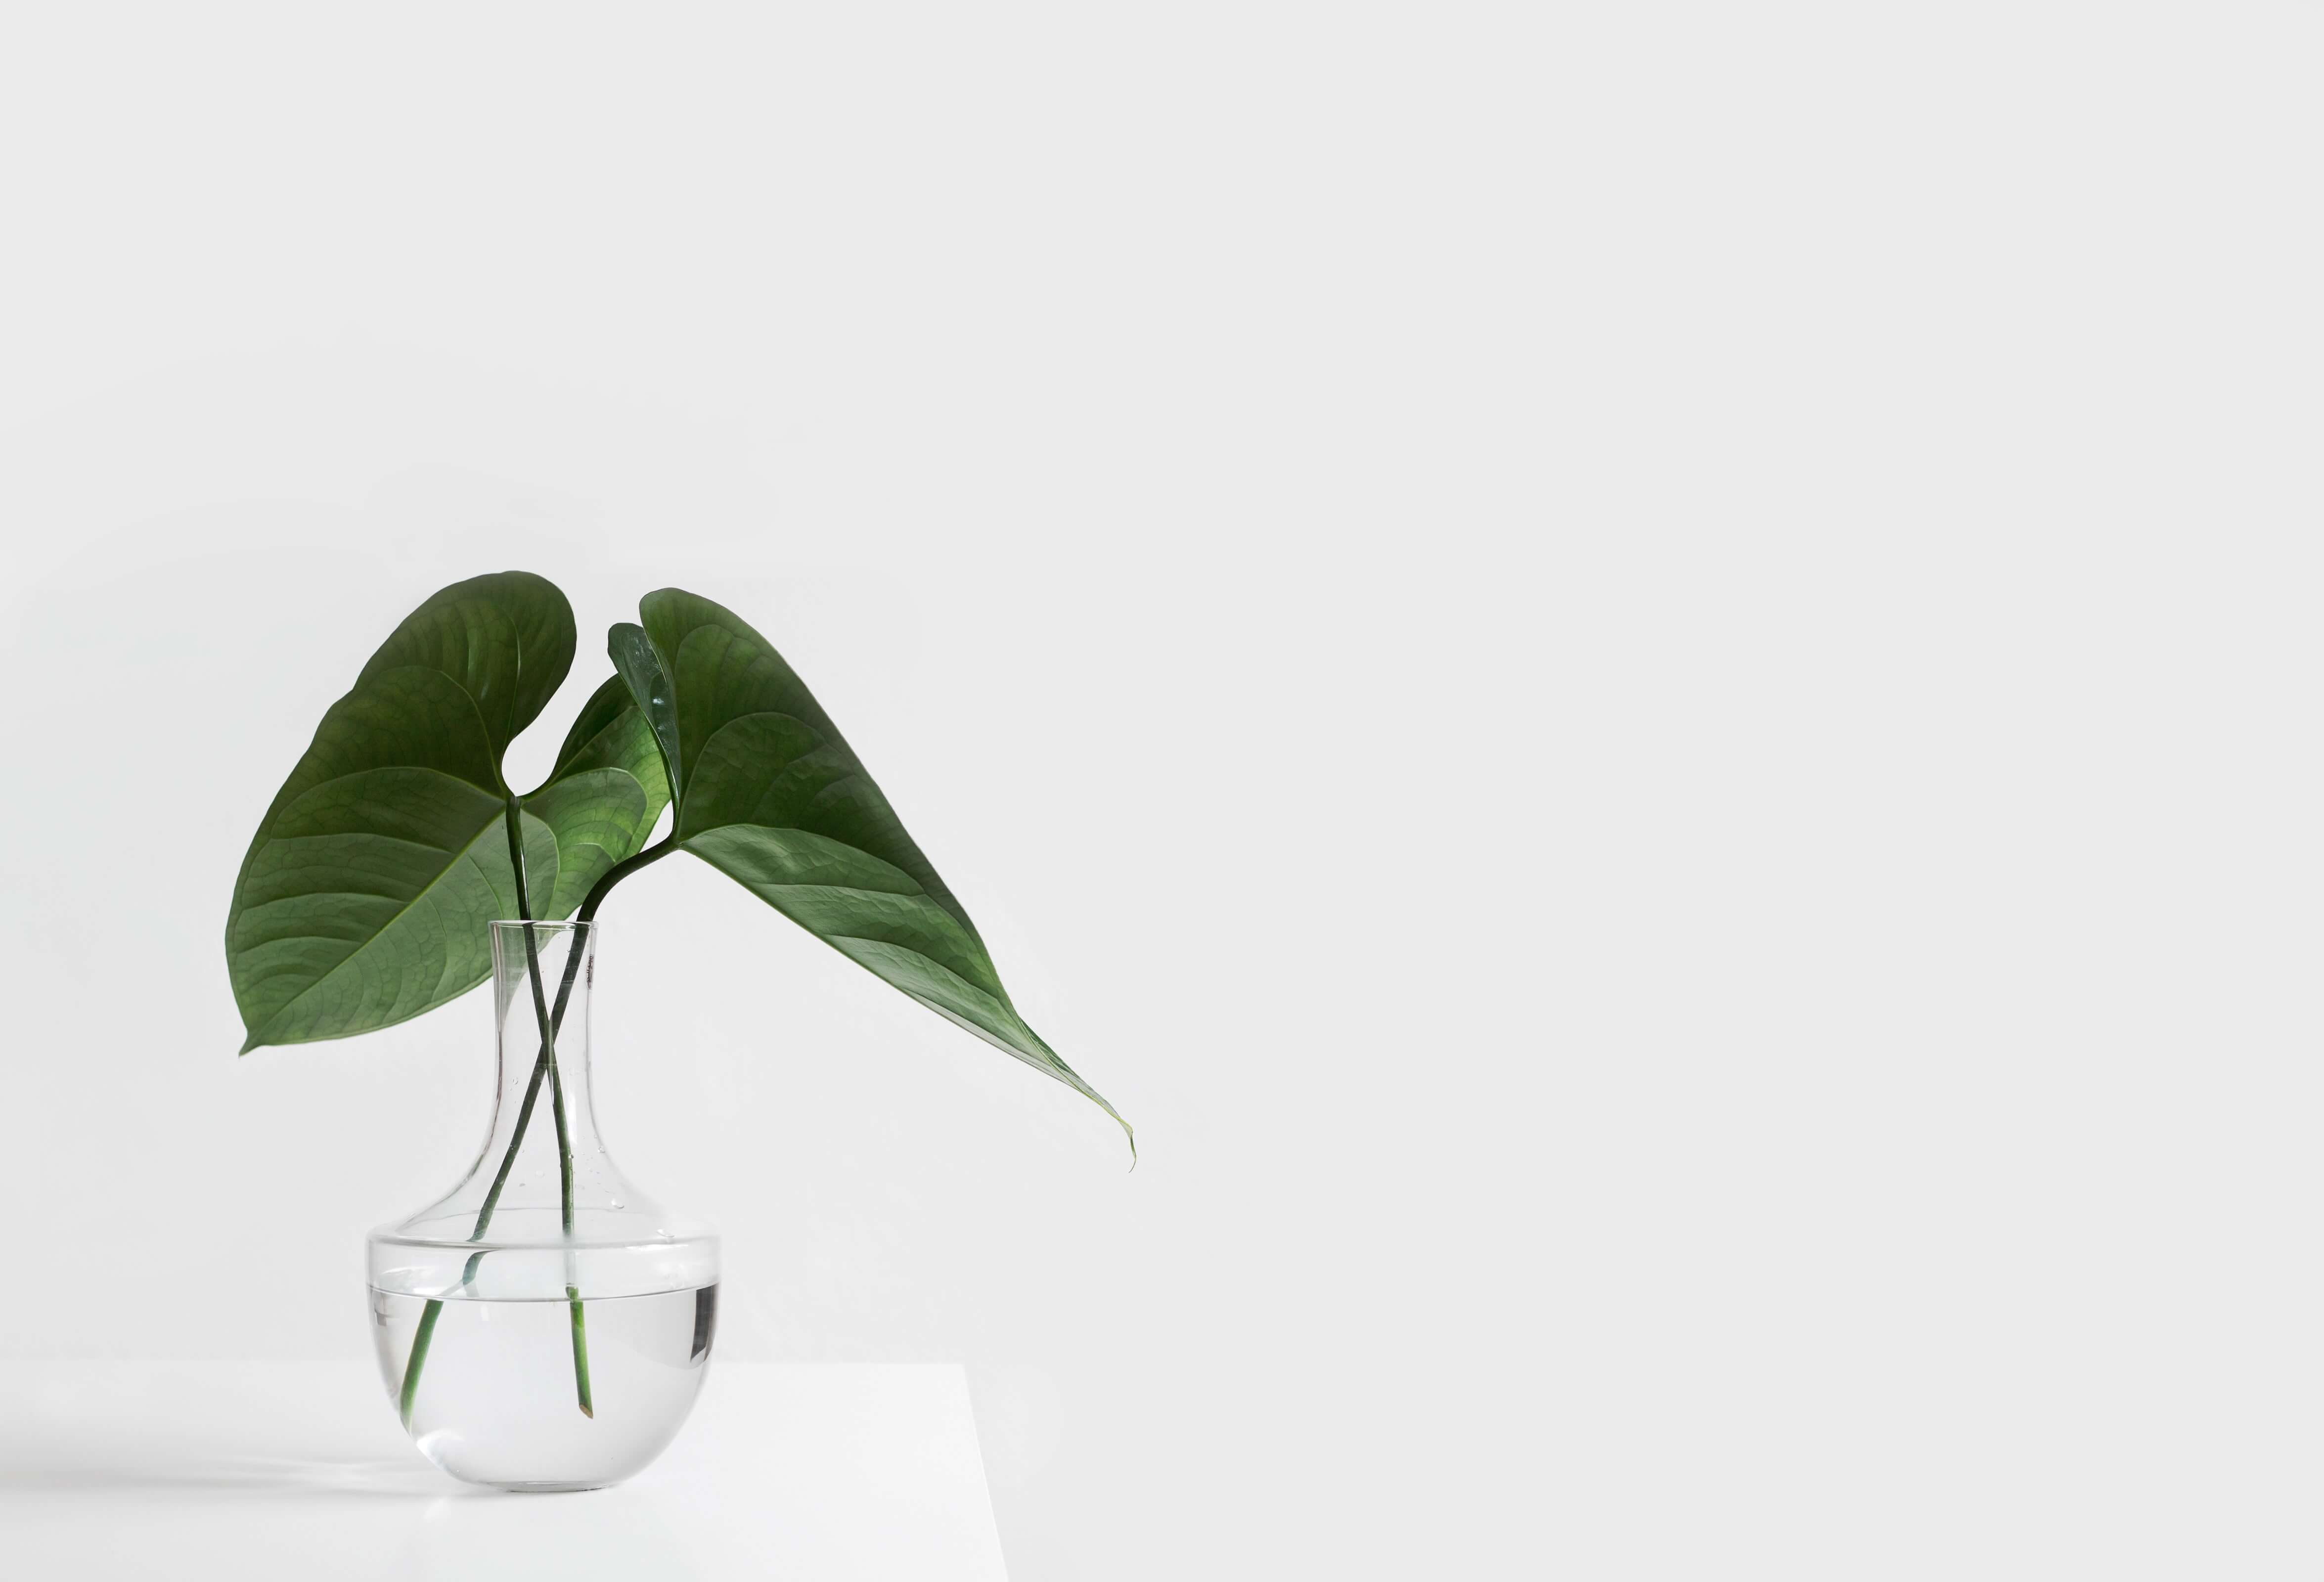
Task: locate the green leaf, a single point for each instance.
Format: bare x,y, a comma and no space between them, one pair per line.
770,795
366,895
506,639
641,669
606,792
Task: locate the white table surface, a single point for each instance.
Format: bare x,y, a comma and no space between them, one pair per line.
298,1470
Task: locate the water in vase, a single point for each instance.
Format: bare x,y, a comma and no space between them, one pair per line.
498,1402
475,1298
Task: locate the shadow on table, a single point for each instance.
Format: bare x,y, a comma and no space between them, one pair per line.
80,1471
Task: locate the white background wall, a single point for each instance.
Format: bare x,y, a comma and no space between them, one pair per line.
1642,678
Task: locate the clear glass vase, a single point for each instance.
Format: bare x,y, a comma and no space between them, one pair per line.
546,1325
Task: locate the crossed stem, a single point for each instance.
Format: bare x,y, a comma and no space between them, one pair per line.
544,1065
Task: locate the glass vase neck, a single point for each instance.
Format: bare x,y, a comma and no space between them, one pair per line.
543,1207
543,976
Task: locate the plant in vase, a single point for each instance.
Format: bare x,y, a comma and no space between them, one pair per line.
545,1325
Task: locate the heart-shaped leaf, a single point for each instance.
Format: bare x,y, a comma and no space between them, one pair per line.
770,795
365,896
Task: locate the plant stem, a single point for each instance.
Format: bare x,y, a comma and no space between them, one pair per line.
420,1339
580,1352
544,1065
557,1109
493,1198
621,871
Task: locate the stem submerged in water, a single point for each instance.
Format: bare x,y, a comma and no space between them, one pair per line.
580,1354
420,1339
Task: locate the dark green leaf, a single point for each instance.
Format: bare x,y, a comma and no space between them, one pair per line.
770,794
506,639
641,669
365,897
605,795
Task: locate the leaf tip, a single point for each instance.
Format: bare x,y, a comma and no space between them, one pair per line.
1128,1131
